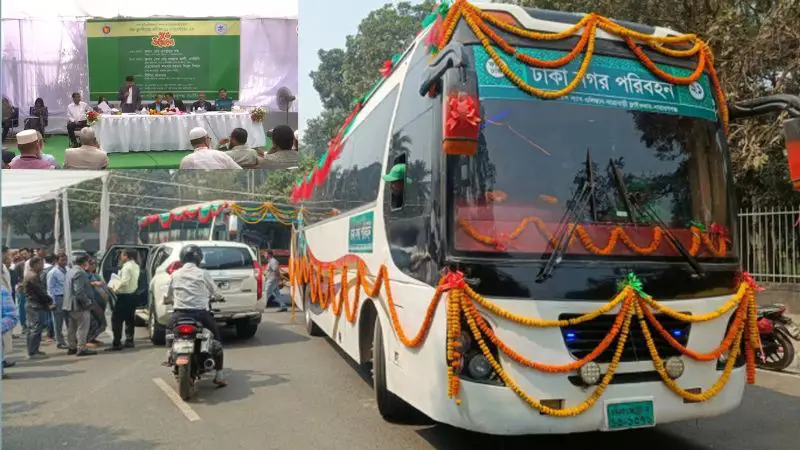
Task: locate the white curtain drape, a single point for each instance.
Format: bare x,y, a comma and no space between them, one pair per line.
48,58
268,61
44,58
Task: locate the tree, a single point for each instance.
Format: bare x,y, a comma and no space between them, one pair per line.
346,74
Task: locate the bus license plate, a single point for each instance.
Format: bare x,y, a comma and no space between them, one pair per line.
629,414
183,347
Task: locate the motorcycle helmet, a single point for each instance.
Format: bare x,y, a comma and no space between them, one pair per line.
191,254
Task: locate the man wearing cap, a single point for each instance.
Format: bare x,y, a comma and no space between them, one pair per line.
397,183
30,149
8,156
89,156
204,157
129,96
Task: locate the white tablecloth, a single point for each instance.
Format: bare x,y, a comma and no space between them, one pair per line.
135,133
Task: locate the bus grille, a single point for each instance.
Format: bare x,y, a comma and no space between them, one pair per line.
581,339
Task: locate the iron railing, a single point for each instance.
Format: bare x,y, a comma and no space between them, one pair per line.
768,244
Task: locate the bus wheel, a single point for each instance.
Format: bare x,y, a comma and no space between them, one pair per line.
391,407
311,328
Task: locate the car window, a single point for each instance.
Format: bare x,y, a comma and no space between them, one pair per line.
161,255
226,258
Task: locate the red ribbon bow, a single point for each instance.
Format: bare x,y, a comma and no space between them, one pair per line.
453,279
721,231
386,69
501,242
747,278
462,110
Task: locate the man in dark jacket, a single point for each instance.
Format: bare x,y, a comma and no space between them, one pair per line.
173,102
129,96
78,304
37,306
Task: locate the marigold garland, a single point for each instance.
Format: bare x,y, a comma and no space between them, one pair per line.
501,242
463,303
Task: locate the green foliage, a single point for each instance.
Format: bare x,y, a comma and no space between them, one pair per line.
280,183
346,74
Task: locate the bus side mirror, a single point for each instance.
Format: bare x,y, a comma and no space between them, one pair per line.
791,133
453,55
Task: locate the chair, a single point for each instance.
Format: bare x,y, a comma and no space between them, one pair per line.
37,121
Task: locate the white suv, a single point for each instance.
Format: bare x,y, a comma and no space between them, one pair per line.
232,265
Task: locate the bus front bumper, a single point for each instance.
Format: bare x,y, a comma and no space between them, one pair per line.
499,410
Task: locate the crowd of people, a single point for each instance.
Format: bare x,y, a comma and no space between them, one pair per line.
86,152
55,301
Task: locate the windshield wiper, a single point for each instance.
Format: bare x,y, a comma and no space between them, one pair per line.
646,212
564,233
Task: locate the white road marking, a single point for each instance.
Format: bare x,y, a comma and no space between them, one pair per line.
177,400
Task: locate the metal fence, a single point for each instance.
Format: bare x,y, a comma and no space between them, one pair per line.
768,244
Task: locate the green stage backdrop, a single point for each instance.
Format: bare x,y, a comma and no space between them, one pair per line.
183,56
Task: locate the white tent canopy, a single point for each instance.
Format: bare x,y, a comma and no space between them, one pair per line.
22,187
41,9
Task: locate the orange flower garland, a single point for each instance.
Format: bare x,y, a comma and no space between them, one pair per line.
479,21
463,302
617,233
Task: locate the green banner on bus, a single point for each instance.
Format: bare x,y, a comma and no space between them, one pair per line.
610,82
360,236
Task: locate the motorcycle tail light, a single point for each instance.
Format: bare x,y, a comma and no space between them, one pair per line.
186,329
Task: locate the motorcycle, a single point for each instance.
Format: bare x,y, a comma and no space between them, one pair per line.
191,354
777,330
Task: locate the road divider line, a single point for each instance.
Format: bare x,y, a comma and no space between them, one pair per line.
177,400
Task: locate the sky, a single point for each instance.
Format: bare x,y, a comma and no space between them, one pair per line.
325,24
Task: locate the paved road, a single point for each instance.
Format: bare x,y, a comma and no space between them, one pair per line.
289,391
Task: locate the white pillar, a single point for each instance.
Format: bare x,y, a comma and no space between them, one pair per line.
105,211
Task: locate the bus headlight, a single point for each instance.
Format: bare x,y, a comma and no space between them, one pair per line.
590,373
674,367
479,367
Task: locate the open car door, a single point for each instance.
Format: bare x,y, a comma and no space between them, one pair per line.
110,264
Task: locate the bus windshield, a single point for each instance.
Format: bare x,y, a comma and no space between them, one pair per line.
535,155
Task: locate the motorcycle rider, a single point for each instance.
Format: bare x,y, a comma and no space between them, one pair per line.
190,289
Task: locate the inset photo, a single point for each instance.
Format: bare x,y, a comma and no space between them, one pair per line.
169,85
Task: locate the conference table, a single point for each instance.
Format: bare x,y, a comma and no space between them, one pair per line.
140,132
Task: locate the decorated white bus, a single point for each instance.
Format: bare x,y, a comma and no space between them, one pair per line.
533,228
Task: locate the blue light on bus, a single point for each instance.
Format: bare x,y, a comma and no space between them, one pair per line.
570,336
677,333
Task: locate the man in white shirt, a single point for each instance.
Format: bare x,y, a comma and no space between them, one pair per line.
204,157
76,117
89,156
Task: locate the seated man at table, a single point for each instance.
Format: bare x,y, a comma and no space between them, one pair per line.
76,117
282,155
223,103
30,148
172,102
89,156
202,103
204,157
158,104
236,147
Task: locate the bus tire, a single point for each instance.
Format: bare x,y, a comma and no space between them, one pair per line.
311,328
391,407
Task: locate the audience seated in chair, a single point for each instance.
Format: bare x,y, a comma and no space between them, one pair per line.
10,117
38,117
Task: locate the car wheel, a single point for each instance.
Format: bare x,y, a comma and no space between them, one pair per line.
156,331
246,330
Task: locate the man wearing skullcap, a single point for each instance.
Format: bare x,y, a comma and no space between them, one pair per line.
204,157
30,149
